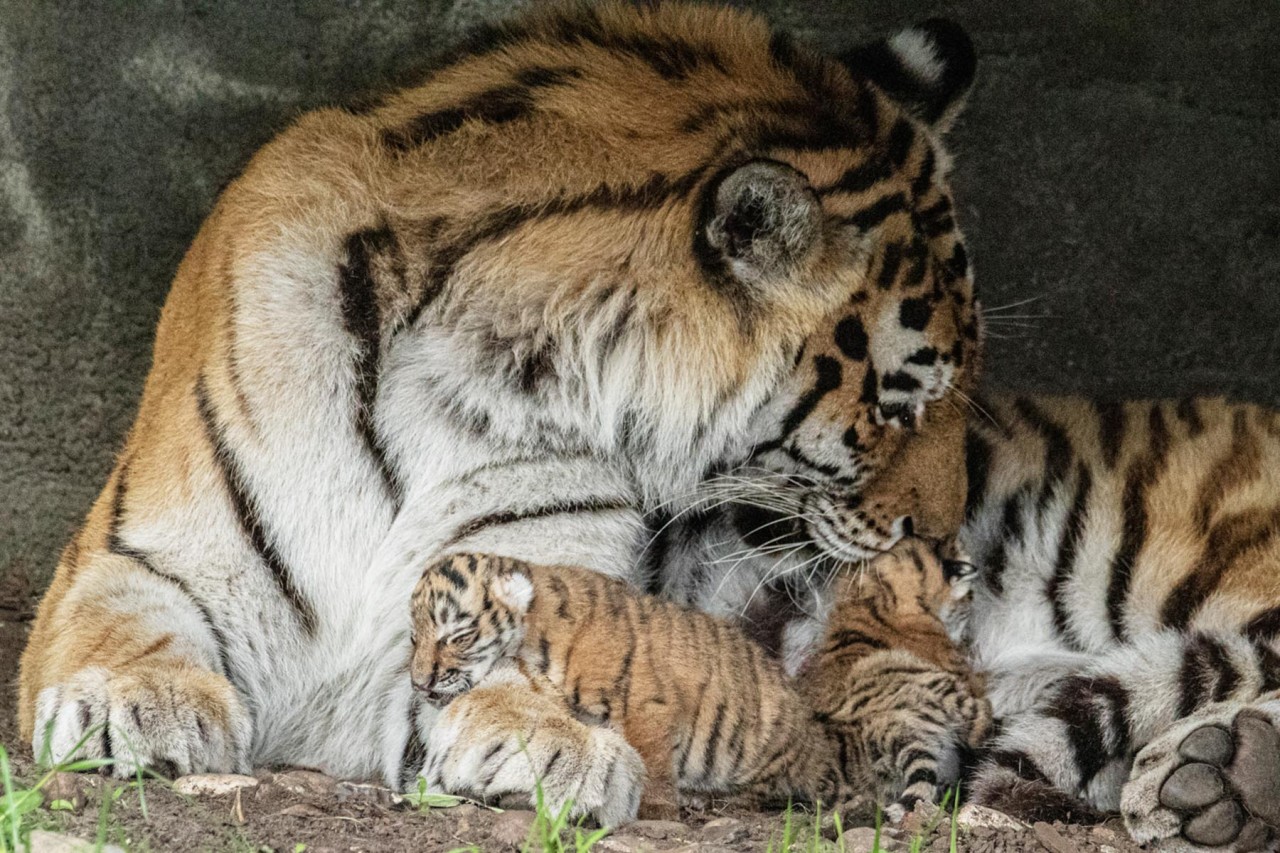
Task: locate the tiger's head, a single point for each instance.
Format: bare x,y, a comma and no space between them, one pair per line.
670,237
467,614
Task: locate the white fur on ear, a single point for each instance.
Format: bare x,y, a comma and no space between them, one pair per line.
514,591
919,55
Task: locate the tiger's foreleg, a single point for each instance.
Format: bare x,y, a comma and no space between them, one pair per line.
1072,750
508,737
124,666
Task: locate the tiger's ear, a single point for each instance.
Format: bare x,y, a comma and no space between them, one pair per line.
759,220
927,68
514,591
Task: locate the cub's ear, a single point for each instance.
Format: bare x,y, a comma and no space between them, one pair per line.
759,221
927,68
513,591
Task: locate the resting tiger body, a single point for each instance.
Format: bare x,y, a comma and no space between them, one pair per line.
701,703
525,307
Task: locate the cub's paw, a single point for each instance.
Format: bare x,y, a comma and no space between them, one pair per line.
173,719
1212,783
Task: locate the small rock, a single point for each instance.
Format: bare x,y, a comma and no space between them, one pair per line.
658,829
1052,840
864,838
302,810
212,784
1104,833
67,787
307,783
511,828
723,830
1107,848
365,793
974,815
701,848
55,842
625,844
463,816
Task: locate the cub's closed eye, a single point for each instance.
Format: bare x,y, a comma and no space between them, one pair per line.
463,638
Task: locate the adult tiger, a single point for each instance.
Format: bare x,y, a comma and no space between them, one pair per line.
599,255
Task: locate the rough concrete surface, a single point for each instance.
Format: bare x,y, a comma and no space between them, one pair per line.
1119,164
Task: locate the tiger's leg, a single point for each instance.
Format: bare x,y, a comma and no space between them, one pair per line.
1212,782
123,665
649,728
507,737
1071,751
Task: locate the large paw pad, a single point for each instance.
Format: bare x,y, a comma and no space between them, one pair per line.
1216,787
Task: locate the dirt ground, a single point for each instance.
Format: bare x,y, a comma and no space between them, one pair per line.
295,810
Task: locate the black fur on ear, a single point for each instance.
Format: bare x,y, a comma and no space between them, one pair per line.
758,221
927,68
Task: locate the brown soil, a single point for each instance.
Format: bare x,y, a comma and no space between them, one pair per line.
287,809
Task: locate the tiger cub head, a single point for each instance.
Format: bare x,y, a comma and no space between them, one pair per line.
467,614
915,584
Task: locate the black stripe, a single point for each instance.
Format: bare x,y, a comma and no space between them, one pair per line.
671,58
1022,764
1111,425
414,756
1228,540
828,379
890,263
1264,626
117,545
924,179
860,178
898,147
653,193
922,774
449,573
251,523
1068,546
1012,522
497,519
713,740
1142,474
360,317
851,338
1076,704
841,640
977,464
1188,412
875,213
498,105
899,380
1058,451
1194,675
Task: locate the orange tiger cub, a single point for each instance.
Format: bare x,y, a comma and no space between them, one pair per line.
705,707
891,672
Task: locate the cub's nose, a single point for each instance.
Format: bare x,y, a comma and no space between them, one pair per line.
426,686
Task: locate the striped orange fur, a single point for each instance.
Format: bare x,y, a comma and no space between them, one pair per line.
704,706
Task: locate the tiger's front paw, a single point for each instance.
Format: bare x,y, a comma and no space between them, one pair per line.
171,719
1212,783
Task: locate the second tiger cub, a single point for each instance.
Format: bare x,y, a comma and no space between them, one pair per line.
705,707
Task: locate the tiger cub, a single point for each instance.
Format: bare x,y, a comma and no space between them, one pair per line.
892,671
705,707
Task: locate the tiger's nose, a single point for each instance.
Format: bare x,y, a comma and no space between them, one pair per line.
427,686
